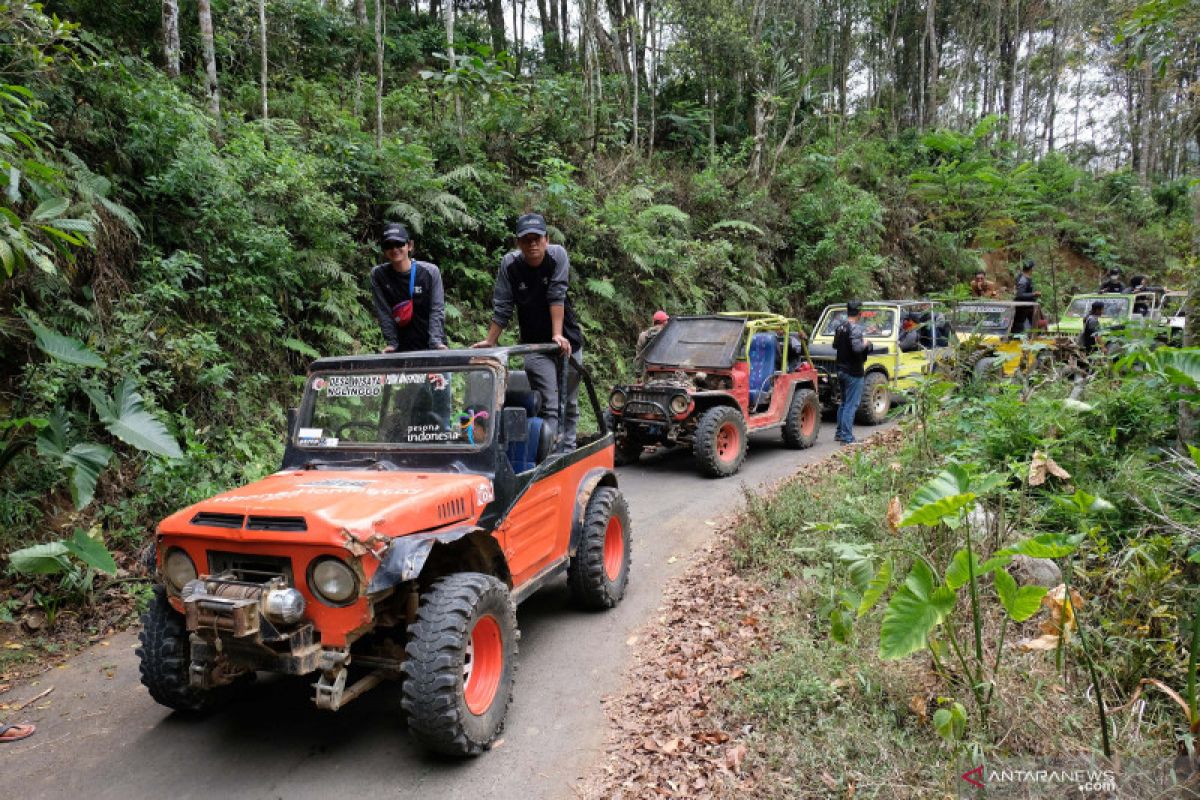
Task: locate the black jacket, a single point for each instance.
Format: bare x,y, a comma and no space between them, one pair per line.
389,288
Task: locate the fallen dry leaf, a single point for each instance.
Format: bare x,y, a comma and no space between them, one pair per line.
1043,465
829,782
734,757
895,513
919,706
1060,623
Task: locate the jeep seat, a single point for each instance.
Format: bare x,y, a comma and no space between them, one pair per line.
762,365
526,455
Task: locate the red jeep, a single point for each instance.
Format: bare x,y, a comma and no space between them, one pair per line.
709,380
418,503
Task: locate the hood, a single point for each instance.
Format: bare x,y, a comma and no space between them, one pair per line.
360,501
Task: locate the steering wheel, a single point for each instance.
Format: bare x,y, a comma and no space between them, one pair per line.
340,430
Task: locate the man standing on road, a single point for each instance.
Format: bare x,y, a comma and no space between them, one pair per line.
852,351
647,336
534,279
1025,293
408,295
1089,338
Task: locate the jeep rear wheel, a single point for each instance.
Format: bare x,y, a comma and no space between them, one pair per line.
599,570
802,423
462,652
165,658
720,443
876,400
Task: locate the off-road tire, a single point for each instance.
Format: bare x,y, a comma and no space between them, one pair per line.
720,441
462,656
627,451
164,658
876,400
803,421
599,570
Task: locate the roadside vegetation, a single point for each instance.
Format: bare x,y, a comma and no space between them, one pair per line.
898,660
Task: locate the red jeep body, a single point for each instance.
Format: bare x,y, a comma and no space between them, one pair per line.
417,492
711,380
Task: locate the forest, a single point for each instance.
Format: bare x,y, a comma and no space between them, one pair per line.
193,192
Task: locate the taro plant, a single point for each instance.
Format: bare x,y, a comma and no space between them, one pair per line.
77,561
927,598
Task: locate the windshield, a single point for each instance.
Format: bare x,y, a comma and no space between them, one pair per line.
984,318
1114,306
878,323
390,408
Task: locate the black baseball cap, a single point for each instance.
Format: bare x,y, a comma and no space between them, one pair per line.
853,308
393,233
1097,305
530,223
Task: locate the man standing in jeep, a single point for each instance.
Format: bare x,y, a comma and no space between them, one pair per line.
534,280
408,295
852,351
1025,293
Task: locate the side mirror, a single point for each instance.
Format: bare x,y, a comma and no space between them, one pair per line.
514,425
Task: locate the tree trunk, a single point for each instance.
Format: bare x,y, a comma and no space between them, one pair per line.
379,73
549,30
564,37
932,61
360,27
1145,106
210,57
495,16
262,41
170,23
1052,91
453,64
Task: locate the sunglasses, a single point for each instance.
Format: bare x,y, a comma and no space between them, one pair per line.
393,245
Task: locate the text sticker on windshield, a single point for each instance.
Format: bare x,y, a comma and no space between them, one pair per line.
309,435
394,378
355,385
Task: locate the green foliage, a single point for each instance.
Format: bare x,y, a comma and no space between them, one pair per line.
125,416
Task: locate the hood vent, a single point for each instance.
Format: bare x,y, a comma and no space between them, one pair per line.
213,519
455,509
264,523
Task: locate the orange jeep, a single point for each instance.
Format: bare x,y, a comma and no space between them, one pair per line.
418,503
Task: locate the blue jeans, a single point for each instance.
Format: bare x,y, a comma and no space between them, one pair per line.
852,387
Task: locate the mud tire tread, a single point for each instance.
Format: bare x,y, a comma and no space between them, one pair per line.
433,689
705,443
865,414
590,585
793,432
164,658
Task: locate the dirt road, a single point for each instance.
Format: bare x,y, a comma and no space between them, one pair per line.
101,736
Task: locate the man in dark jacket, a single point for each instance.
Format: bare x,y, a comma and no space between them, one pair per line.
1112,284
1025,293
852,351
533,281
1089,339
409,299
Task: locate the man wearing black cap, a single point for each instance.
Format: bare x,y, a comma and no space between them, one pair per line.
533,280
409,300
1112,284
1025,293
852,351
1089,338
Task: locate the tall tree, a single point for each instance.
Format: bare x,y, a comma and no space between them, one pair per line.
262,41
204,9
495,17
379,73
170,25
360,35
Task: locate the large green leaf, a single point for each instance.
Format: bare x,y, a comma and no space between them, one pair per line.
40,559
876,587
91,552
944,509
1022,603
85,461
909,619
300,347
49,209
1181,366
126,417
1195,451
957,575
64,348
1046,545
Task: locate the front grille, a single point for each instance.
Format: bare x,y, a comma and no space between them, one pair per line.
264,523
641,402
213,519
454,509
250,568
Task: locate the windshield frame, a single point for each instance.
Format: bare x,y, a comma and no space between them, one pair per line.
308,404
1106,299
831,311
957,325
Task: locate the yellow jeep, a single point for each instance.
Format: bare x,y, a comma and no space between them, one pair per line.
891,369
1003,334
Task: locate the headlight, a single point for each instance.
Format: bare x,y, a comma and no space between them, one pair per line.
332,581
616,400
178,568
679,404
284,606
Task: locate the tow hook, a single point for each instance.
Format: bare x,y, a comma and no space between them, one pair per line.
332,692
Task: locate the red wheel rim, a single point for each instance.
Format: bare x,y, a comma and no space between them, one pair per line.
483,663
728,442
614,549
808,420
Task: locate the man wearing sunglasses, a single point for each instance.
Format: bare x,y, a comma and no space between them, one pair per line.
533,280
409,299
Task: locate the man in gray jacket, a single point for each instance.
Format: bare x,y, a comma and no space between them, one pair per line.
533,280
852,351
